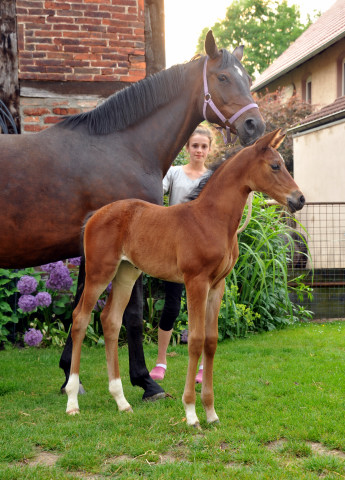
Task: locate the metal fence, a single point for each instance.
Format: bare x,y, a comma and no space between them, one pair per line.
325,234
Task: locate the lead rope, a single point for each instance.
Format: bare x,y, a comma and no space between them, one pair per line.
249,213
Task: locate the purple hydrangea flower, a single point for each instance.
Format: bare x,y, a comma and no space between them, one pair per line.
33,337
184,336
48,267
27,303
109,287
99,305
75,261
43,299
59,278
27,284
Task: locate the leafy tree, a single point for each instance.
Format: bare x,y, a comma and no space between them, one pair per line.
265,27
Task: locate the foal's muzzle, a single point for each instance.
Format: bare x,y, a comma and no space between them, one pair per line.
296,201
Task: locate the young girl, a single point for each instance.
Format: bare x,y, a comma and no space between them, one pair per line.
178,183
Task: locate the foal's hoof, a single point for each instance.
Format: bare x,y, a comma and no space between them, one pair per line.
155,397
128,410
73,411
197,426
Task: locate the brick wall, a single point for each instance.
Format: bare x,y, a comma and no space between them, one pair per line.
39,113
81,40
75,42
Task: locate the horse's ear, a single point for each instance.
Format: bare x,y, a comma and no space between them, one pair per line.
210,45
238,52
272,139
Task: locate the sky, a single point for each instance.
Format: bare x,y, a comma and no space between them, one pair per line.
185,19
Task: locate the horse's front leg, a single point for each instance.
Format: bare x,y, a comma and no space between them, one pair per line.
197,291
214,299
111,318
133,322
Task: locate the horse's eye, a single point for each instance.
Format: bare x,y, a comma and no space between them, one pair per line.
275,167
222,78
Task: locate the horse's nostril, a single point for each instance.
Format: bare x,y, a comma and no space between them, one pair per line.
302,199
250,125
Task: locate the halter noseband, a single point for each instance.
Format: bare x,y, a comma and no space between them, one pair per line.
208,101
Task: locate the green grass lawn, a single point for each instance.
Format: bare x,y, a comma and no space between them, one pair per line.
280,398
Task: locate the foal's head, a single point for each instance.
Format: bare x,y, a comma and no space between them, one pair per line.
267,172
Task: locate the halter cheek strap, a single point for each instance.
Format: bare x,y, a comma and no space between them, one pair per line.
209,102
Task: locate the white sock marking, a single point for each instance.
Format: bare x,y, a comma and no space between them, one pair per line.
115,388
72,389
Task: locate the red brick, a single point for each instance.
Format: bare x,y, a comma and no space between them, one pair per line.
38,111
51,119
66,111
57,5
33,128
31,119
56,19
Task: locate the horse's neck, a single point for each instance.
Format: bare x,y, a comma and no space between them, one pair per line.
171,125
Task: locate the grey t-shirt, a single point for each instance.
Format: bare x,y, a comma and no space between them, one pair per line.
178,185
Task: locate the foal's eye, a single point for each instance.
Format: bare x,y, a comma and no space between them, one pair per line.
222,78
275,167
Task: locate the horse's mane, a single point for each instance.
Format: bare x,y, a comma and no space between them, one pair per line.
131,104
211,169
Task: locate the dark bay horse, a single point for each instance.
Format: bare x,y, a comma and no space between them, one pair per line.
51,180
194,243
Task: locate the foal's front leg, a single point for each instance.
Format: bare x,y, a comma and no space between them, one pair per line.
211,337
196,300
111,318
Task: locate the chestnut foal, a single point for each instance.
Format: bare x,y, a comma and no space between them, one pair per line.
194,243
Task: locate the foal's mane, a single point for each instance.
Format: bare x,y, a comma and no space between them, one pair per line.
211,169
131,104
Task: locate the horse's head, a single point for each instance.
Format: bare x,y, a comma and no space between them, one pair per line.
267,172
227,88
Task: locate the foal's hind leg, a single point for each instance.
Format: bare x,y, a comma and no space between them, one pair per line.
81,319
211,336
111,319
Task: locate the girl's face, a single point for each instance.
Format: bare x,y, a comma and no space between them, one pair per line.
198,148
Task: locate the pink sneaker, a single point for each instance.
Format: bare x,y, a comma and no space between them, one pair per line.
158,372
198,378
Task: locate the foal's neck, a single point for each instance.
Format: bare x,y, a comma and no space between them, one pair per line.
226,193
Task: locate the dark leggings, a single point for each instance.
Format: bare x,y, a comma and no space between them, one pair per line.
172,304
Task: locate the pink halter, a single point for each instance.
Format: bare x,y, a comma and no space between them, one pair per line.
209,102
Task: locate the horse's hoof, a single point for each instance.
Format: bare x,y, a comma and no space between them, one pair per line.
214,422
197,426
74,411
128,410
156,396
82,390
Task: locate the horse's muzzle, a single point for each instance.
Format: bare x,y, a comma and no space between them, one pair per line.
296,201
251,129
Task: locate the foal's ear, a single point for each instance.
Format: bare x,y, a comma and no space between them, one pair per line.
238,52
210,46
278,139
272,139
